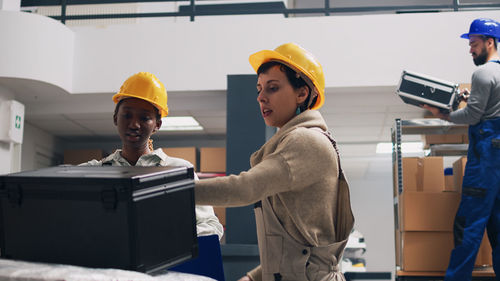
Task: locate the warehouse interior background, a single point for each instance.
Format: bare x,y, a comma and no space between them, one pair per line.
65,76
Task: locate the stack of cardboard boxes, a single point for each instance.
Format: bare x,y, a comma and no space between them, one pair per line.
213,160
425,215
207,161
189,154
78,156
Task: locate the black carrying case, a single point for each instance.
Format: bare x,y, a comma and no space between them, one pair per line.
133,218
418,89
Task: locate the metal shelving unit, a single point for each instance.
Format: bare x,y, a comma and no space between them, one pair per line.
420,127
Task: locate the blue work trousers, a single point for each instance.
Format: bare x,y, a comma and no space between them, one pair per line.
480,204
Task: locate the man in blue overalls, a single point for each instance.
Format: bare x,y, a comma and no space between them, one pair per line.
480,204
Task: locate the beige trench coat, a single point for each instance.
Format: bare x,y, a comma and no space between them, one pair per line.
297,172
283,258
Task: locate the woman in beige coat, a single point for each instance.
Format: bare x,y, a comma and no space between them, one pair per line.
302,211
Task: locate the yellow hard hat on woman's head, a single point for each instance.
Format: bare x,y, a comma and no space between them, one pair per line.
145,86
300,60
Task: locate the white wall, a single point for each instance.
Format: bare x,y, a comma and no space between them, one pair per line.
10,5
369,50
36,53
40,149
37,48
355,51
372,205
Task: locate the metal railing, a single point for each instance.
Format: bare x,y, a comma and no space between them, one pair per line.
257,8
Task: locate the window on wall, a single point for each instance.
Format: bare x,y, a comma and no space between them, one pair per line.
349,7
87,12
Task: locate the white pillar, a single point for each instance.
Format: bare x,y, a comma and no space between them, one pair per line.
15,150
5,153
10,5
11,133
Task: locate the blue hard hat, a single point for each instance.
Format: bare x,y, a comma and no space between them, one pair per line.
486,27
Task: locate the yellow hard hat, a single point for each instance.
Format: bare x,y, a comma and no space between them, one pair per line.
145,86
299,60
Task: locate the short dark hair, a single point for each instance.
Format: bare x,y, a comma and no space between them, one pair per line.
291,75
495,40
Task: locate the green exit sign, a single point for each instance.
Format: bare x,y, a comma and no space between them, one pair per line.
13,113
17,123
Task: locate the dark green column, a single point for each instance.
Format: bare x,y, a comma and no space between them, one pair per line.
246,133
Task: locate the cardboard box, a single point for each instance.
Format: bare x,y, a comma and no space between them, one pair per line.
410,171
213,159
441,139
422,174
425,250
220,212
484,255
465,138
448,183
78,156
427,211
430,174
458,173
448,180
187,153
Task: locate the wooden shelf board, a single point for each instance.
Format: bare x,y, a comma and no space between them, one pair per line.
479,272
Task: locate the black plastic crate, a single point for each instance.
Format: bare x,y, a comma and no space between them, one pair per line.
133,218
418,89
